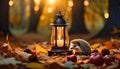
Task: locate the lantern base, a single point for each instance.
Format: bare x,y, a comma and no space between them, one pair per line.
59,51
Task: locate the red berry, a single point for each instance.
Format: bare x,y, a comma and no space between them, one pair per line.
96,59
72,58
108,59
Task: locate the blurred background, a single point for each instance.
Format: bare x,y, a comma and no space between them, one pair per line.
86,18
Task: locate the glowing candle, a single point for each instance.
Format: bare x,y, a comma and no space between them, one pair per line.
60,43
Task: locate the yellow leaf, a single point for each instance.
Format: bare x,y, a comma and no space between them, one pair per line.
39,49
34,65
9,47
94,46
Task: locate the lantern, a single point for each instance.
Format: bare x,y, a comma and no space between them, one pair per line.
59,36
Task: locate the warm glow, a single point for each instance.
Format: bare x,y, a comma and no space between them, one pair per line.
51,2
59,37
106,15
60,28
86,3
60,43
11,3
36,8
50,10
59,32
37,1
70,3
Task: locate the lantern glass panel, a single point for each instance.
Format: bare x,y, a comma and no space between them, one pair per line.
58,36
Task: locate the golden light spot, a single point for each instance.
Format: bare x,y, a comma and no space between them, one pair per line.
42,17
37,1
36,8
106,15
50,10
86,3
70,3
11,3
51,2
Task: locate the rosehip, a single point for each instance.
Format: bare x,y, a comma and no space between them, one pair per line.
72,58
108,59
96,59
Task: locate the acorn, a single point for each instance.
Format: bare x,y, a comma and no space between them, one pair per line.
105,52
27,51
33,58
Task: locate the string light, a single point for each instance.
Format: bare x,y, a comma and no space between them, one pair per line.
86,3
11,2
70,3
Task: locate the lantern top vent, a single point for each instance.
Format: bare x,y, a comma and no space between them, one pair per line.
59,19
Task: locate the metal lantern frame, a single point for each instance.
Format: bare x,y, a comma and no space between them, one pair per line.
59,22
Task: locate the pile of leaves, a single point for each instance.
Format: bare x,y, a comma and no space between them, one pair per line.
35,56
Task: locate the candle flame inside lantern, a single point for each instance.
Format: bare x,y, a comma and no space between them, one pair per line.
60,43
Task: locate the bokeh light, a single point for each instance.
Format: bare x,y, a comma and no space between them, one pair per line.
37,3
36,8
50,10
106,15
86,3
70,3
11,3
51,2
